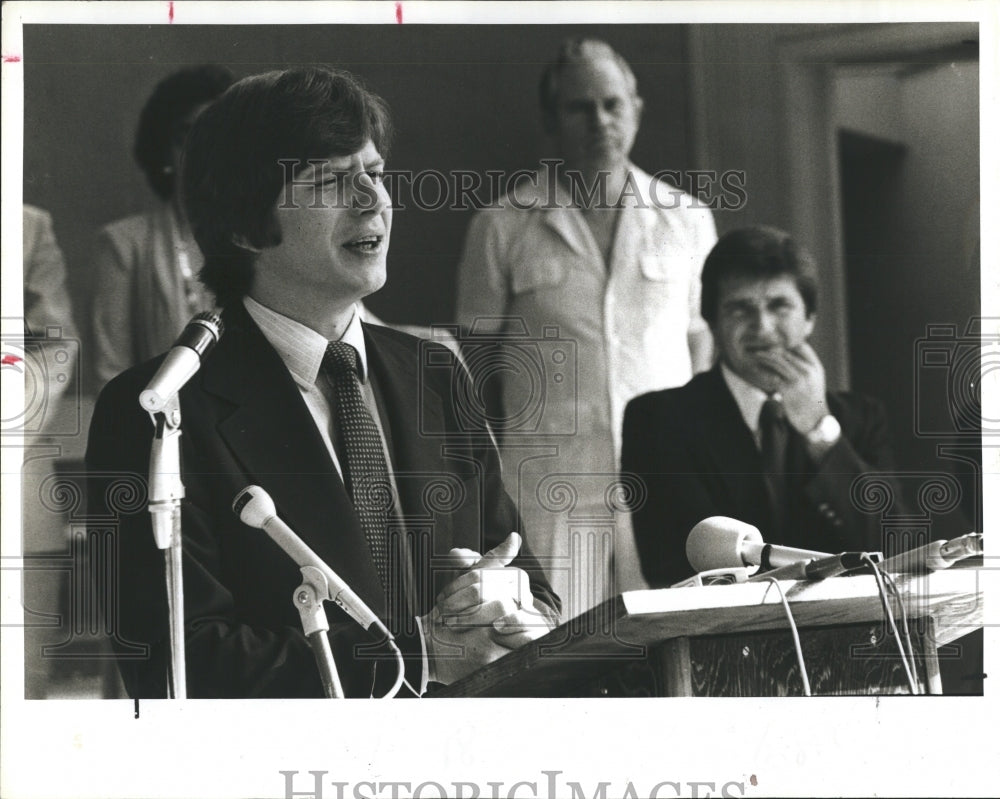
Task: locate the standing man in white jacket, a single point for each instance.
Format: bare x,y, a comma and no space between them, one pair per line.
588,278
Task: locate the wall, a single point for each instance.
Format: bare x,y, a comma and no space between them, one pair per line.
867,99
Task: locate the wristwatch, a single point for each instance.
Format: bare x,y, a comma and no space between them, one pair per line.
825,433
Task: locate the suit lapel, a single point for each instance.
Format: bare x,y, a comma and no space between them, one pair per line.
727,439
413,414
273,436
731,452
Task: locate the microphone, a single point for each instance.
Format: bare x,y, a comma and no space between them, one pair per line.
255,508
182,361
936,555
720,542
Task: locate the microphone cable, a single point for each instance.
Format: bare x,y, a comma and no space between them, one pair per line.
795,634
883,596
400,673
890,582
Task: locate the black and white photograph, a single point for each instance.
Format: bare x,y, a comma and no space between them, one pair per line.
616,381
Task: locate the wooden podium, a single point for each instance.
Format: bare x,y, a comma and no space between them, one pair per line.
734,640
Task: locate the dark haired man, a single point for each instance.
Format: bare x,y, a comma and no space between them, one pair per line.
758,438
600,250
283,188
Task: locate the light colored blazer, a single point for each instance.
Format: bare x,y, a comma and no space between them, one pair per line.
142,299
46,300
48,321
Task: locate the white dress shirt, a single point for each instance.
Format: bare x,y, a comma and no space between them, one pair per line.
749,399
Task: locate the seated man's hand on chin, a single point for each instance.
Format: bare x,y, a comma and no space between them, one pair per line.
483,614
801,379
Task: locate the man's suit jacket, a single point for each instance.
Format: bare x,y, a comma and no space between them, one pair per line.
244,422
698,458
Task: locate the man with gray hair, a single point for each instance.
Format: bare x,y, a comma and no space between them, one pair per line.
594,253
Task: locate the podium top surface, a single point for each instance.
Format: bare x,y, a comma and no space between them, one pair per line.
624,627
953,598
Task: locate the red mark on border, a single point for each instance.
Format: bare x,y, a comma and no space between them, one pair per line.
399,13
170,12
10,360
16,59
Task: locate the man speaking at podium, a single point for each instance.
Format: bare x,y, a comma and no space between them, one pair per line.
758,438
282,182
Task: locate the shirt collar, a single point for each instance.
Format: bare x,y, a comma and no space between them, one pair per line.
554,199
749,398
300,347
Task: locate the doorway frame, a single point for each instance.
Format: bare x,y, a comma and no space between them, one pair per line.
808,65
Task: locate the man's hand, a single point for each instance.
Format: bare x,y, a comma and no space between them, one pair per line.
482,614
801,380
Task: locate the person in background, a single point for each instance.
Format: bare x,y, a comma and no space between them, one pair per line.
758,438
600,261
48,314
146,266
48,415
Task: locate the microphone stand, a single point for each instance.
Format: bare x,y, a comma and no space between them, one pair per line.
165,493
308,599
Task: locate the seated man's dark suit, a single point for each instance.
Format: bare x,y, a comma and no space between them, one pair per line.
698,458
245,422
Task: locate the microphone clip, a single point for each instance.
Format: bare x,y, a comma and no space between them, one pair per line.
308,599
166,488
724,576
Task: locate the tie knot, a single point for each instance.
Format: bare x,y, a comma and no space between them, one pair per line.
341,359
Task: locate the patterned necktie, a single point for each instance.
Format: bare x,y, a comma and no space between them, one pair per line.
773,448
366,474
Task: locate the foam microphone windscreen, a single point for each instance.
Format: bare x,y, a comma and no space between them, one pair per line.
718,543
